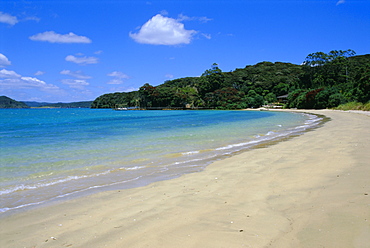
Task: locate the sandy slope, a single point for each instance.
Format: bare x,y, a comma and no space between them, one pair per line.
309,191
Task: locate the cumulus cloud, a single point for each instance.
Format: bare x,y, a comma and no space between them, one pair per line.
8,19
82,60
341,2
76,74
13,80
75,83
34,82
4,61
8,74
162,30
118,77
52,37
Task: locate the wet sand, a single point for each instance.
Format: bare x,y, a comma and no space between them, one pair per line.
309,191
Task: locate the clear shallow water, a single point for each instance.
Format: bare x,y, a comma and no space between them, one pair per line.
47,154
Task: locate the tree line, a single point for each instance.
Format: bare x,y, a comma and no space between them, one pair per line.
323,80
6,102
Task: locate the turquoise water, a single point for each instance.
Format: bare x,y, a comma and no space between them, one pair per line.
48,154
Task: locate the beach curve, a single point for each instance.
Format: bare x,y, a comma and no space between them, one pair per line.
309,191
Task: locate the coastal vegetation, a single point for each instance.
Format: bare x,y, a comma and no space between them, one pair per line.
84,104
323,80
6,102
354,106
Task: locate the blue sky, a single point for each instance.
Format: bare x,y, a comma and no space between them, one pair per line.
77,50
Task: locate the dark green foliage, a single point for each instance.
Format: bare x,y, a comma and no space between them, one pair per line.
226,98
270,98
6,102
315,99
86,104
117,100
322,81
254,100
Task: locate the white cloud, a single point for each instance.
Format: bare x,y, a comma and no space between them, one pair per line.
169,76
75,83
19,87
123,89
34,82
76,74
130,89
39,73
4,61
9,19
15,81
164,12
207,36
118,74
82,60
115,81
203,19
52,37
118,77
341,2
162,30
8,74
32,18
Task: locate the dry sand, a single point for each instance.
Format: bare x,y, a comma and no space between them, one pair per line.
310,191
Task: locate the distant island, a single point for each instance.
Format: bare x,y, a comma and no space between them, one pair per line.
6,102
323,80
83,104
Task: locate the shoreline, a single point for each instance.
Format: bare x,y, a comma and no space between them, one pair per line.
182,164
309,191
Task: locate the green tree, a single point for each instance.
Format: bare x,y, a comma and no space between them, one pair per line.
254,100
211,80
270,98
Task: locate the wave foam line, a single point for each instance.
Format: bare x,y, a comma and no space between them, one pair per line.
41,185
3,210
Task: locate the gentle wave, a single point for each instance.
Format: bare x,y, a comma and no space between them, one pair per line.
41,185
23,187
172,163
3,210
190,153
271,135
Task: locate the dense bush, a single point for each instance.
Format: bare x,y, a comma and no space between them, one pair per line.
354,106
322,81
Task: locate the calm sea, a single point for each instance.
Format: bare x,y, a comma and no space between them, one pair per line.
49,154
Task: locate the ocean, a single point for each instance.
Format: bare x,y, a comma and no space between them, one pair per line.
54,154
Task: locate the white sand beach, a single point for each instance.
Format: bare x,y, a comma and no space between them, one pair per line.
309,191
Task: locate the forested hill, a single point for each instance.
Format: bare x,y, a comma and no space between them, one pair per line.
323,80
6,102
85,104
